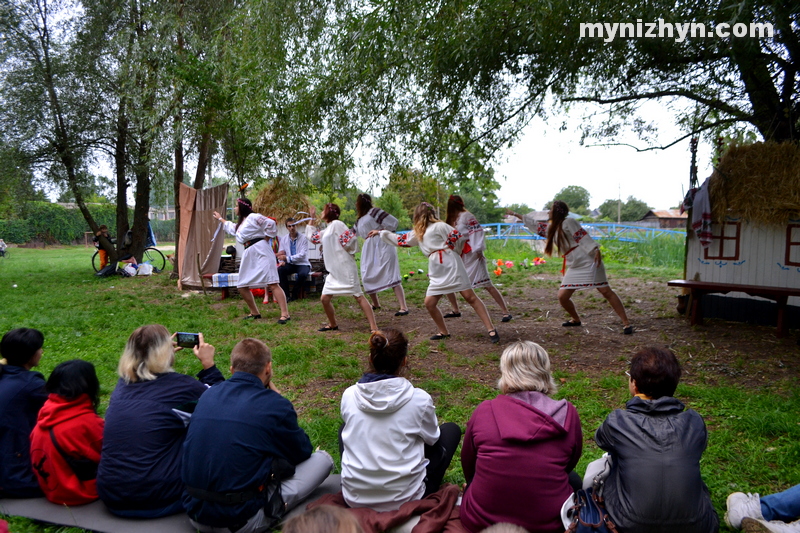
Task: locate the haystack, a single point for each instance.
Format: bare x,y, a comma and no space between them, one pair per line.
758,182
280,199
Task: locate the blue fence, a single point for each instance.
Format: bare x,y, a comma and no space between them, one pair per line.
618,232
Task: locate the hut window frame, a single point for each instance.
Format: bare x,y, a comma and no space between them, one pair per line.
724,241
790,243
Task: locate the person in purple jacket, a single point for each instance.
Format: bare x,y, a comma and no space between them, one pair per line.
139,475
520,448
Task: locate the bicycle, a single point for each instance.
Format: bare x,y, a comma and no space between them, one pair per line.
151,255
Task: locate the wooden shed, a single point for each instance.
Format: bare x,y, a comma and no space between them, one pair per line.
665,219
754,251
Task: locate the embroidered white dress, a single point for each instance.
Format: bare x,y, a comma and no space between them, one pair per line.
472,254
339,244
582,272
446,270
380,268
259,265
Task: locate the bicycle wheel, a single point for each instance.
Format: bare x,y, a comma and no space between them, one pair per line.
96,261
155,258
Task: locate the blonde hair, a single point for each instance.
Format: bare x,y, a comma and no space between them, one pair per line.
149,352
525,366
323,519
424,216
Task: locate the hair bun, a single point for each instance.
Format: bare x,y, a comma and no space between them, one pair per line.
378,340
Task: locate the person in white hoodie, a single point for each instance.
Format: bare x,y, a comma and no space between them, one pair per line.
393,450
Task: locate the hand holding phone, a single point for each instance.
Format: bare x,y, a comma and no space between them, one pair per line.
187,340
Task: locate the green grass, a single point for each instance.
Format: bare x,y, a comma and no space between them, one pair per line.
754,434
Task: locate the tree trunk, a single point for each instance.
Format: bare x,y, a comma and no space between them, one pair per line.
120,171
176,184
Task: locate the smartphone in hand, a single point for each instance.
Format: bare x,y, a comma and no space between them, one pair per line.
187,340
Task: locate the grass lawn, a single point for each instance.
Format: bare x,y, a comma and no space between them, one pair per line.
754,442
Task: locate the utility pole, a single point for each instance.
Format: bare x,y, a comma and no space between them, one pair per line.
619,203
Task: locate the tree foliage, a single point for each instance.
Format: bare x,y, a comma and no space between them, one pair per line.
630,210
575,196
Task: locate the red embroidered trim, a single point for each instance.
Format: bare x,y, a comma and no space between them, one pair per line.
402,240
580,234
541,229
346,237
315,238
452,239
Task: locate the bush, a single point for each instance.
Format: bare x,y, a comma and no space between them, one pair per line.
53,223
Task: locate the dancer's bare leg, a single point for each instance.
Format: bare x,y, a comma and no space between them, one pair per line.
373,326
280,297
374,298
401,297
479,307
325,299
565,299
453,302
616,304
492,290
247,296
433,309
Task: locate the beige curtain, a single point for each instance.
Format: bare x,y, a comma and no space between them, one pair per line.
199,242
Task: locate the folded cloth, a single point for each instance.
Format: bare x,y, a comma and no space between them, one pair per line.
224,280
438,512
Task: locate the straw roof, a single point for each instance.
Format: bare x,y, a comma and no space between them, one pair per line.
758,182
280,199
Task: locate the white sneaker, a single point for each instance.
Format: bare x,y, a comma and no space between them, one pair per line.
752,525
741,505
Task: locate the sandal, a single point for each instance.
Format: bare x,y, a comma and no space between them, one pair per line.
627,330
440,336
251,316
401,313
571,324
452,314
494,336
506,318
376,307
328,328
283,320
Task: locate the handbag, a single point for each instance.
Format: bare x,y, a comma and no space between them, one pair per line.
589,514
85,469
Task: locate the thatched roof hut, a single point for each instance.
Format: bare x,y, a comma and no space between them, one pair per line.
280,199
758,182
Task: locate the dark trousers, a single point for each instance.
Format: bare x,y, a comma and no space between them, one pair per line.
439,455
302,276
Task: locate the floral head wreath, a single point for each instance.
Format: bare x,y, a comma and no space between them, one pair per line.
429,206
243,202
560,208
332,208
456,199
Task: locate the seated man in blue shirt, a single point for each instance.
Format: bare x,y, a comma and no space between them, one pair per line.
293,259
246,461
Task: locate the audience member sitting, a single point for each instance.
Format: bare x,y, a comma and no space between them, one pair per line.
520,448
66,442
140,465
293,259
768,514
323,519
246,461
393,450
22,394
655,444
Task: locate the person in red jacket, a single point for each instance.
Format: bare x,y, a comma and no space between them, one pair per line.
66,442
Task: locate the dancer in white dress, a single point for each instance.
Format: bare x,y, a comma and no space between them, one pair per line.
258,268
338,247
472,254
583,261
380,268
446,271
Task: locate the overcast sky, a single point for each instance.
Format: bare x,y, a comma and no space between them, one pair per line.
545,160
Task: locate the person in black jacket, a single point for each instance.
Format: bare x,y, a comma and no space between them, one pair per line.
655,445
22,394
246,461
139,475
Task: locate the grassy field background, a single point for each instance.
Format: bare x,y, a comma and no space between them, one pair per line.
754,429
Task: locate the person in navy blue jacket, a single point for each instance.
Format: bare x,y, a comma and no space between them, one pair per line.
22,394
246,461
139,474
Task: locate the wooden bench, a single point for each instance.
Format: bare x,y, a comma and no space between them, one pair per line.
315,281
780,295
